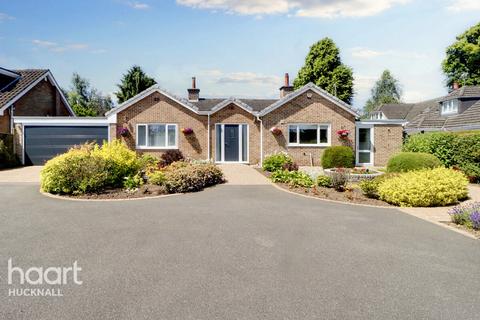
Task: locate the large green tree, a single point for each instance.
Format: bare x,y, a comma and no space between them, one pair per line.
132,83
324,67
462,63
85,100
386,90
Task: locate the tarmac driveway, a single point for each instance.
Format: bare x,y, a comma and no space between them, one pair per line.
235,252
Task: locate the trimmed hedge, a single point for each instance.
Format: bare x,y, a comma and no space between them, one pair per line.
187,177
409,161
338,157
459,149
424,188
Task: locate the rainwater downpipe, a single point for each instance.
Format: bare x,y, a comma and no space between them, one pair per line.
261,139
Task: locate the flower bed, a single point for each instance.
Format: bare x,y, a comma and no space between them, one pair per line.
113,171
354,174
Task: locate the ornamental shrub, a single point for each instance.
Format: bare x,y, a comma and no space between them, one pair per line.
338,157
75,172
120,161
324,181
293,178
132,182
185,177
425,188
276,161
290,166
170,156
408,161
157,177
370,186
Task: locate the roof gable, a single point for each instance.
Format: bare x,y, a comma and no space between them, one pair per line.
145,93
304,89
29,78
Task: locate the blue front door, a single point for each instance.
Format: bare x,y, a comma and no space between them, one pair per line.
232,145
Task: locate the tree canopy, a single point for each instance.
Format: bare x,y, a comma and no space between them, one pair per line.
132,83
462,63
323,66
85,100
386,90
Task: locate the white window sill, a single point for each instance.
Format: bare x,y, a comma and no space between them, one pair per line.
309,145
156,148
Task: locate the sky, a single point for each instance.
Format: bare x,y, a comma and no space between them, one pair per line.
238,48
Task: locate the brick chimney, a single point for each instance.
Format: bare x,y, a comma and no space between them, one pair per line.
286,88
193,92
456,85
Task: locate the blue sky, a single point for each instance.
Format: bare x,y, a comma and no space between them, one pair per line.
234,47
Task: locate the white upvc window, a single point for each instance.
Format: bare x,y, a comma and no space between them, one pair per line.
450,106
309,135
377,116
157,136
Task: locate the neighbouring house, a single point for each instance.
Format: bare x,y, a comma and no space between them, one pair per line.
457,111
30,92
301,122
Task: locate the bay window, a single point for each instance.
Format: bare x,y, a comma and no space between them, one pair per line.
309,135
157,136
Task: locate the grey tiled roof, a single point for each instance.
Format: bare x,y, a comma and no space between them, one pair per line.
465,92
27,77
207,104
395,110
431,118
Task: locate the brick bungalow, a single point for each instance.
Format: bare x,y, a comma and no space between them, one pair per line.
301,122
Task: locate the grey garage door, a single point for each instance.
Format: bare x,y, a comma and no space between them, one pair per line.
45,142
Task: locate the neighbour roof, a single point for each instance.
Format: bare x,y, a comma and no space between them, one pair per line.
27,78
432,118
465,92
395,110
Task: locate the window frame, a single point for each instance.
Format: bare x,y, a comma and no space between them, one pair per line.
146,146
319,127
449,107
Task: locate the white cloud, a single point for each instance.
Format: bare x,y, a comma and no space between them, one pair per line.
464,5
366,53
249,78
138,5
55,47
300,8
5,17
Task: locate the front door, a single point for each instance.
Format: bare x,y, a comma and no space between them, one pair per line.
365,145
231,142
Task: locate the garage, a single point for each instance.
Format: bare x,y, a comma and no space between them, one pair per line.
45,138
45,142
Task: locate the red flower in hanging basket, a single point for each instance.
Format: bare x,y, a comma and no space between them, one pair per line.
187,130
275,130
343,134
123,132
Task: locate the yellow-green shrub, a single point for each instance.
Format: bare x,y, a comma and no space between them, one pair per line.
77,171
157,177
120,161
424,188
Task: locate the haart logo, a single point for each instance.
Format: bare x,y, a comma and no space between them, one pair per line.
37,276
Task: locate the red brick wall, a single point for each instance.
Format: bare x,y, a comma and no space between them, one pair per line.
42,100
388,140
156,108
302,109
5,122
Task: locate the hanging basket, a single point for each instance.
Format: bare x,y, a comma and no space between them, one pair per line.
343,134
276,131
123,132
187,131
